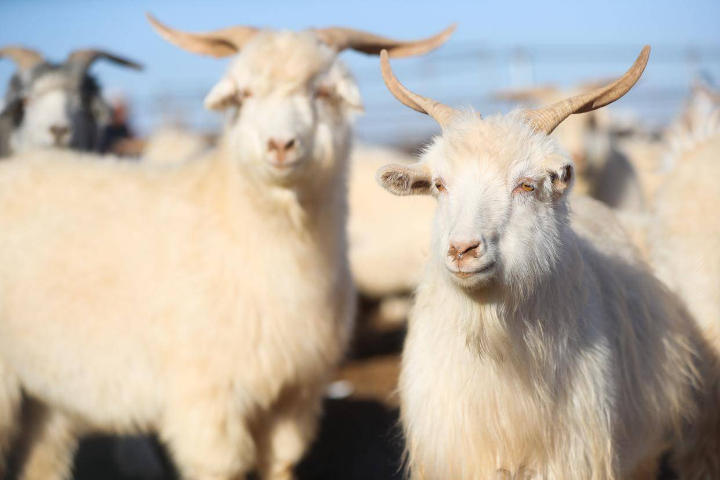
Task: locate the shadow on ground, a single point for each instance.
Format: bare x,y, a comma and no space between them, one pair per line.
358,440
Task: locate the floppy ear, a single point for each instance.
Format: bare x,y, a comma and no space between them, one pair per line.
344,89
349,93
405,179
222,95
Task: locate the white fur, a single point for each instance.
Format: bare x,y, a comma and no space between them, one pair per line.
206,301
562,357
686,235
171,144
386,255
389,237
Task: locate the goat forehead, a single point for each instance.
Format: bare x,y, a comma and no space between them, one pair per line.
55,80
281,61
492,148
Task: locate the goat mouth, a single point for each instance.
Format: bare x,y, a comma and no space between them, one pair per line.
284,166
472,273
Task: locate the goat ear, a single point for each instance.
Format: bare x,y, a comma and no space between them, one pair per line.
405,179
349,93
561,178
344,89
222,95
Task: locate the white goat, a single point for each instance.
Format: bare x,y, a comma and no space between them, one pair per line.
656,162
54,105
686,234
538,346
207,301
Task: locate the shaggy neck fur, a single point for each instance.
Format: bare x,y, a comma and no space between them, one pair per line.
311,201
505,324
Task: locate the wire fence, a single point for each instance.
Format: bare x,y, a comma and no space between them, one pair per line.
466,75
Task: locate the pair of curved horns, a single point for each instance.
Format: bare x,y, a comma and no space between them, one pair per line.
544,119
229,41
26,58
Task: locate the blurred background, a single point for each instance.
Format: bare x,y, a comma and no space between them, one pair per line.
498,46
502,53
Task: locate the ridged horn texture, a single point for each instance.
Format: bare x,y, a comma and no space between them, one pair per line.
548,118
218,43
24,58
81,60
442,114
344,38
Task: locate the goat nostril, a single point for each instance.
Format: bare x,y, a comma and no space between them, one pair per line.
471,247
58,131
459,250
277,145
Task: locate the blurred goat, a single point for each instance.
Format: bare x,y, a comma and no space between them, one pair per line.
207,301
54,104
686,232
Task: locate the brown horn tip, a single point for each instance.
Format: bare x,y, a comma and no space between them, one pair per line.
422,47
548,118
365,42
24,58
219,43
83,59
442,114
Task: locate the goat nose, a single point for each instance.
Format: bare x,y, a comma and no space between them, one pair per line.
59,131
281,147
461,249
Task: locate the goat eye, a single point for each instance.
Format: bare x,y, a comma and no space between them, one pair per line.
439,185
245,93
322,92
524,186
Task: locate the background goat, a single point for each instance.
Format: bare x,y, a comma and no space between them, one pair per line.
217,296
54,104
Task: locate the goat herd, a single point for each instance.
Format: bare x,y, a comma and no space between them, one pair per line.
208,297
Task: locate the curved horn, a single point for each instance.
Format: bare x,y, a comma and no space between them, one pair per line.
83,59
548,118
343,38
219,43
442,114
25,58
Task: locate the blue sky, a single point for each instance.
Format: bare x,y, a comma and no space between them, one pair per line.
56,27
